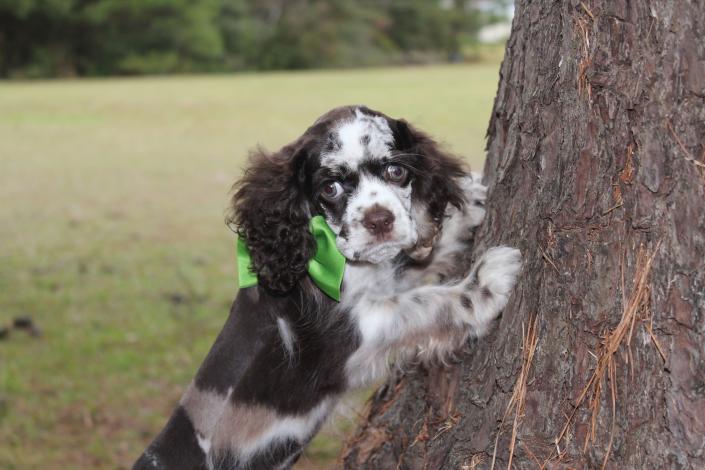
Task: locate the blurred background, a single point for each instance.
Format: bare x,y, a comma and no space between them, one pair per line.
66,38
123,124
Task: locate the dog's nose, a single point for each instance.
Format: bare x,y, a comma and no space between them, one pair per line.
378,220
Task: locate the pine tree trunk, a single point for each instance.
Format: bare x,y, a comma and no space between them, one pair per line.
596,170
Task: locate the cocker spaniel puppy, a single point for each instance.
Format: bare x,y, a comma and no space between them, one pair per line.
400,212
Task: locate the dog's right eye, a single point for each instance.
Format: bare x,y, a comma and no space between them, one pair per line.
332,191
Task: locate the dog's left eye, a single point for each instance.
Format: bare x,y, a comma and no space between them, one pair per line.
395,173
332,191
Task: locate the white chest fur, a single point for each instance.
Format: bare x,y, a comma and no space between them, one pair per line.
363,284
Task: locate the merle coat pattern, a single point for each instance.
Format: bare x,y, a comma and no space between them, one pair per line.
402,210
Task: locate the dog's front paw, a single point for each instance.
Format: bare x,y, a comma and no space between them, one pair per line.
497,272
490,284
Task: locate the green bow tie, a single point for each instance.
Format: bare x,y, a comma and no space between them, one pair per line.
326,268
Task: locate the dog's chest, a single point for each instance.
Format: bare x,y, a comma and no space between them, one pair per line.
367,280
362,285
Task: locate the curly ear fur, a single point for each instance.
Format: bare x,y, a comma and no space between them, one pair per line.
272,216
440,187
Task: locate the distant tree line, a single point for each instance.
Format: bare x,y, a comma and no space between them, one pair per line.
45,38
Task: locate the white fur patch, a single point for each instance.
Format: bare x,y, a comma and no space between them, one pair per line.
286,334
153,460
364,280
359,243
204,443
374,129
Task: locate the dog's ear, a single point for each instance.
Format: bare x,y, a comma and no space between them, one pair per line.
437,172
272,214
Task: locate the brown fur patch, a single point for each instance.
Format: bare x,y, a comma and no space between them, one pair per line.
204,408
240,425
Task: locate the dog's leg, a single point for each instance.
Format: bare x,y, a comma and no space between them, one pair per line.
460,225
454,239
438,317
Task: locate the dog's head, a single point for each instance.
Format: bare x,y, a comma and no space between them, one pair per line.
382,185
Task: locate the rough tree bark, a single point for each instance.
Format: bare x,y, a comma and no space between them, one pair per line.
596,169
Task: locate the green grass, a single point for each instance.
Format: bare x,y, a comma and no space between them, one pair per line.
112,236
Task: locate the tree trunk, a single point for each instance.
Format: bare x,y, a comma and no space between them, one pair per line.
596,170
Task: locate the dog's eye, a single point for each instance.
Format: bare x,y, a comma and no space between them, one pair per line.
332,191
395,173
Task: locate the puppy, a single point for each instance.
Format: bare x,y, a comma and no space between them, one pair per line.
402,211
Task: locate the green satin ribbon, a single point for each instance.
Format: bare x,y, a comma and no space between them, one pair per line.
326,268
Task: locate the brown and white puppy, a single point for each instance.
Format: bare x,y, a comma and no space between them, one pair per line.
287,351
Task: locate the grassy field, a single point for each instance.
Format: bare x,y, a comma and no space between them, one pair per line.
112,236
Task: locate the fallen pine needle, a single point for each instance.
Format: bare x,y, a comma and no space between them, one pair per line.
547,258
650,329
516,401
587,10
606,365
687,155
616,206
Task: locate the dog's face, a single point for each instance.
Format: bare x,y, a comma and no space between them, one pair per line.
363,186
382,186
